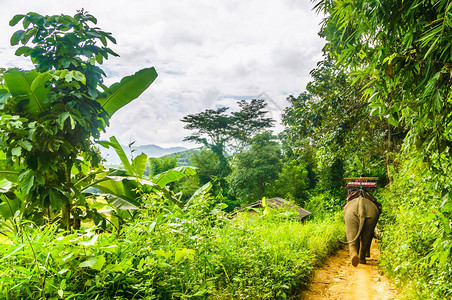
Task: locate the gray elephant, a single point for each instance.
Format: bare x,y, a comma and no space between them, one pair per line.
361,216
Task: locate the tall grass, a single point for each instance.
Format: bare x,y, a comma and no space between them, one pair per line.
269,259
176,256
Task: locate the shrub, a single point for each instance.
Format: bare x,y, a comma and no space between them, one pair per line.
416,242
168,253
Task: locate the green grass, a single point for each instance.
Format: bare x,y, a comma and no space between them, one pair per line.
181,257
269,259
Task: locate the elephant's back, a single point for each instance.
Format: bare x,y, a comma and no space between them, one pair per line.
370,207
371,203
351,204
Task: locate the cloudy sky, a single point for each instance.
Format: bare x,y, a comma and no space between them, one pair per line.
207,54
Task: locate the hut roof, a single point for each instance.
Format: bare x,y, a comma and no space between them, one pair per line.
277,203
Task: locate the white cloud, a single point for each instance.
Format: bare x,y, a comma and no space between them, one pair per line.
207,53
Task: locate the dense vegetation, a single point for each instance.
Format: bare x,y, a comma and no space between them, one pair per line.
73,229
177,253
379,103
51,114
391,63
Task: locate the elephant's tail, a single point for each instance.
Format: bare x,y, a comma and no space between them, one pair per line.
360,228
362,218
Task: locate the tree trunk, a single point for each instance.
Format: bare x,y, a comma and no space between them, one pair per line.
66,205
225,168
388,153
66,214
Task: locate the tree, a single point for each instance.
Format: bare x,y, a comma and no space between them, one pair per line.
292,182
216,130
209,169
332,117
248,121
208,166
161,164
57,108
254,169
399,54
212,127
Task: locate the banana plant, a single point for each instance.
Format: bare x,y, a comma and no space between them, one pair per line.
125,189
129,88
122,185
11,200
51,115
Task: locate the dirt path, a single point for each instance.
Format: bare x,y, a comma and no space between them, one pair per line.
338,279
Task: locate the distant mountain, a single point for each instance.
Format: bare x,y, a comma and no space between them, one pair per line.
157,151
150,150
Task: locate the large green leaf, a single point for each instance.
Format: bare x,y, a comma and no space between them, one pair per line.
130,87
121,202
118,149
199,193
94,263
26,180
19,84
6,186
9,202
8,172
117,185
9,207
120,191
4,96
139,164
173,175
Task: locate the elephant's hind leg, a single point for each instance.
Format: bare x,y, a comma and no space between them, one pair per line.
354,251
355,260
366,239
351,232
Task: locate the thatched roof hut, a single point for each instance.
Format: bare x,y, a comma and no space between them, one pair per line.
277,203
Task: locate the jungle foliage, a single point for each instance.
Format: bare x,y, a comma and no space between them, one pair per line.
72,229
50,115
255,169
416,245
391,62
220,132
167,253
379,103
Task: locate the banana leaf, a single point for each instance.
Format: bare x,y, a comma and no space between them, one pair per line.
129,88
173,175
19,84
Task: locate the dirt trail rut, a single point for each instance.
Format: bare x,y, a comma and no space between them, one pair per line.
338,279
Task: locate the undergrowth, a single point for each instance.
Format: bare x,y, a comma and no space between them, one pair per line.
191,253
269,259
417,240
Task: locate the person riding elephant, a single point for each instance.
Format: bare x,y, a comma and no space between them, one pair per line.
361,213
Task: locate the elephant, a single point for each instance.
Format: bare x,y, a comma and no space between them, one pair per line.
361,216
